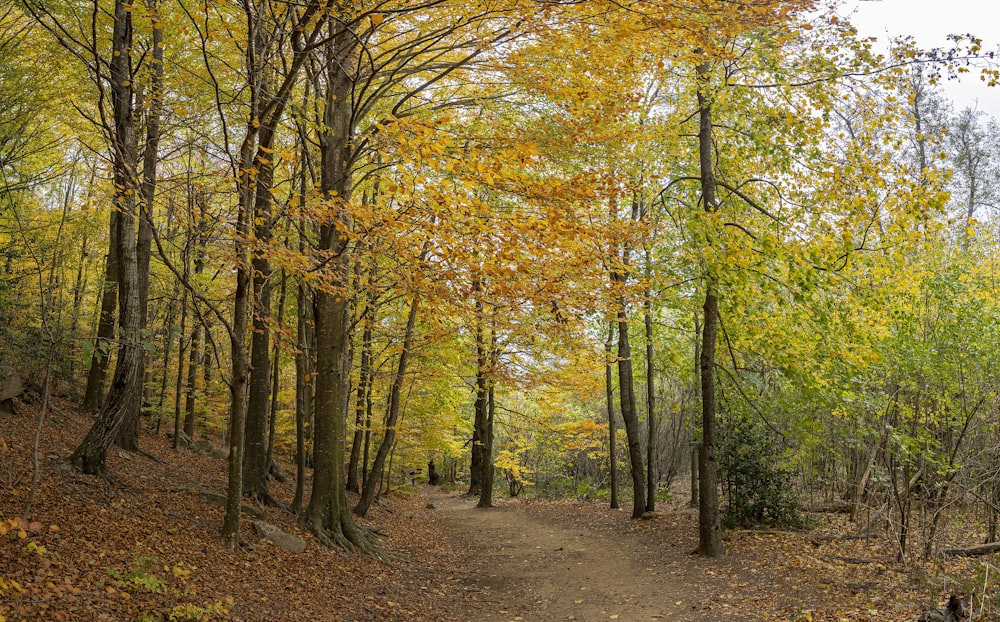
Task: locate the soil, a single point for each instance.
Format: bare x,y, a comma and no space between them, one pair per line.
144,545
536,568
584,561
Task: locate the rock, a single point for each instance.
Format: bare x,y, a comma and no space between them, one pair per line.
954,610
430,505
219,499
408,514
279,537
10,387
205,446
220,454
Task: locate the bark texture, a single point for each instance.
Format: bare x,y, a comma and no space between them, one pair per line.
125,392
709,531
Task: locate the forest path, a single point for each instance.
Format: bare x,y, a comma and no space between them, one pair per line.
524,565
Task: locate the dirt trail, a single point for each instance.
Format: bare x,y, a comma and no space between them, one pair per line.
524,566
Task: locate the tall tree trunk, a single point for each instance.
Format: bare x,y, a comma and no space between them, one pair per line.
124,396
104,344
489,471
80,284
128,435
366,450
181,347
626,389
328,515
303,387
364,378
239,367
619,268
254,459
192,380
275,384
609,390
168,341
651,471
266,110
479,408
709,532
196,330
392,412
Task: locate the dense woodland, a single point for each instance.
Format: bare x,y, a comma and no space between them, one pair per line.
563,249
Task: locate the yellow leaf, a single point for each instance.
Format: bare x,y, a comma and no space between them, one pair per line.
377,19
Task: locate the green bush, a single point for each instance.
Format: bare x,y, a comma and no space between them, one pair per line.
758,489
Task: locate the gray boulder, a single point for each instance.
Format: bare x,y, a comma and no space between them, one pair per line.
279,537
10,387
219,499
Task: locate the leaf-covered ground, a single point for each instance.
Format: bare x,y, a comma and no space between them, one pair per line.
143,545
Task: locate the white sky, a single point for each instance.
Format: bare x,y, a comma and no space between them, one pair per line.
930,22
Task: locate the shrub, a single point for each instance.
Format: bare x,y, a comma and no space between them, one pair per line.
758,489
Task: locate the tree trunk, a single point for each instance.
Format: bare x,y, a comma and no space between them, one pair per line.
168,341
392,414
192,380
239,371
303,387
128,436
630,416
196,330
489,471
480,414
609,391
364,378
124,396
275,384
104,344
709,532
328,515
365,471
180,372
255,468
80,283
652,475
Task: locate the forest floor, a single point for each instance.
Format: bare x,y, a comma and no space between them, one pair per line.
144,545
